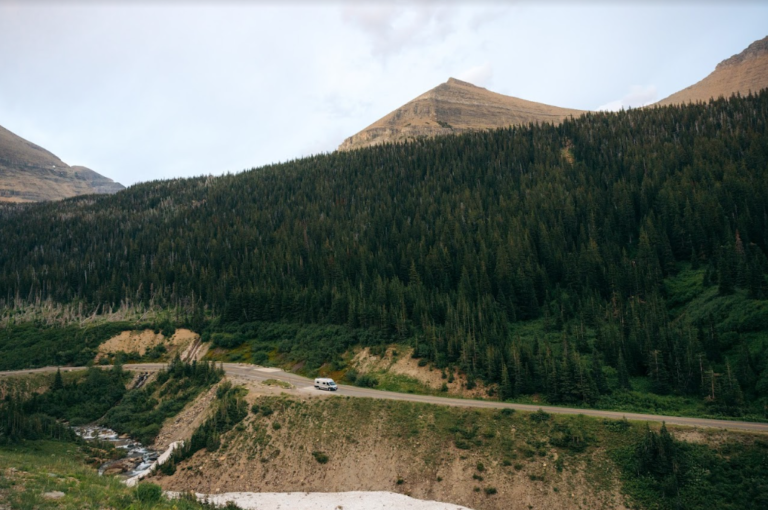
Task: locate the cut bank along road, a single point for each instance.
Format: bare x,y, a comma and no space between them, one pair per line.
258,374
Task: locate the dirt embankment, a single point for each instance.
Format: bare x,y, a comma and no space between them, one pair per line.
399,361
315,442
181,426
183,342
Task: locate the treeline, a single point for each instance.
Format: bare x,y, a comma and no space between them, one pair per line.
450,243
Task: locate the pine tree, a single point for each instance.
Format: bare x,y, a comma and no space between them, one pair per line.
58,382
623,373
597,373
506,391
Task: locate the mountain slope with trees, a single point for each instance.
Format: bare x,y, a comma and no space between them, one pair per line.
566,261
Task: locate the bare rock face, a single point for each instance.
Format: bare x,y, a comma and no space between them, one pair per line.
29,173
454,107
743,73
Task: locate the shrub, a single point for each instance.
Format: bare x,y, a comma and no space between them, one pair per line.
480,467
255,408
574,439
351,375
477,477
367,381
260,358
320,457
276,426
462,444
507,411
506,462
423,362
617,425
540,416
400,481
148,492
490,491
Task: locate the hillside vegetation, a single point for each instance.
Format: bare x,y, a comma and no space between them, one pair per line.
483,459
615,251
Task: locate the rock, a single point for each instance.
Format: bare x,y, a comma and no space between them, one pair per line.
122,466
53,495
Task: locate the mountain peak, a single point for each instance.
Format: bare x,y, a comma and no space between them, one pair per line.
455,81
455,106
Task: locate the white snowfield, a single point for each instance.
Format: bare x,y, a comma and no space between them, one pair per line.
357,500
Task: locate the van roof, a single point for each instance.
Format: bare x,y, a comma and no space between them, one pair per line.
324,379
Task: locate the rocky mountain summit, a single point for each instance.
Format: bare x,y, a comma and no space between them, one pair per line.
742,73
29,173
454,107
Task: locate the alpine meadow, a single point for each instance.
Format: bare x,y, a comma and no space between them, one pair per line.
615,260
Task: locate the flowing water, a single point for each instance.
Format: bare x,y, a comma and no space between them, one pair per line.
138,458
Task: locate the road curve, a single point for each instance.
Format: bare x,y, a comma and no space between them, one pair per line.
256,373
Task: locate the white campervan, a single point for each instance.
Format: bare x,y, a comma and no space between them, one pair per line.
324,383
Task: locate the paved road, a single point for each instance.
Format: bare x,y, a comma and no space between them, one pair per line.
254,373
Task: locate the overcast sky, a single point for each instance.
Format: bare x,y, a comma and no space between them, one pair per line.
149,90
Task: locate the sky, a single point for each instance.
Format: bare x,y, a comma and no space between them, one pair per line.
139,91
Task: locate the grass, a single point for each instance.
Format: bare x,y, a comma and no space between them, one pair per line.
275,382
34,468
389,381
26,384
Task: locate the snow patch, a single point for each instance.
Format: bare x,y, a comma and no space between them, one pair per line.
357,500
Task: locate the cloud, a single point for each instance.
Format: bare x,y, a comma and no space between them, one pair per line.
637,96
484,17
478,75
394,28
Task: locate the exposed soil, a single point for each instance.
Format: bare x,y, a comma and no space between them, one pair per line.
184,342
181,426
403,364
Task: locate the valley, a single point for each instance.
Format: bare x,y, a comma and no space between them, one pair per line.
524,307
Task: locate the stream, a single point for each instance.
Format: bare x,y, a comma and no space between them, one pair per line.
138,459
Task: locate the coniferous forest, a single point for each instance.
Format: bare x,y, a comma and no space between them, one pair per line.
566,261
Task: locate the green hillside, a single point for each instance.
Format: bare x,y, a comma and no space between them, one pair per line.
614,251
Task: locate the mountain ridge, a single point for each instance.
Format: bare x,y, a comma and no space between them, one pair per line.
742,73
30,173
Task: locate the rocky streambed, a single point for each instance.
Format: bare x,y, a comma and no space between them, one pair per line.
138,459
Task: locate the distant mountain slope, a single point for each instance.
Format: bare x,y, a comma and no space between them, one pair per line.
29,173
453,107
742,73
